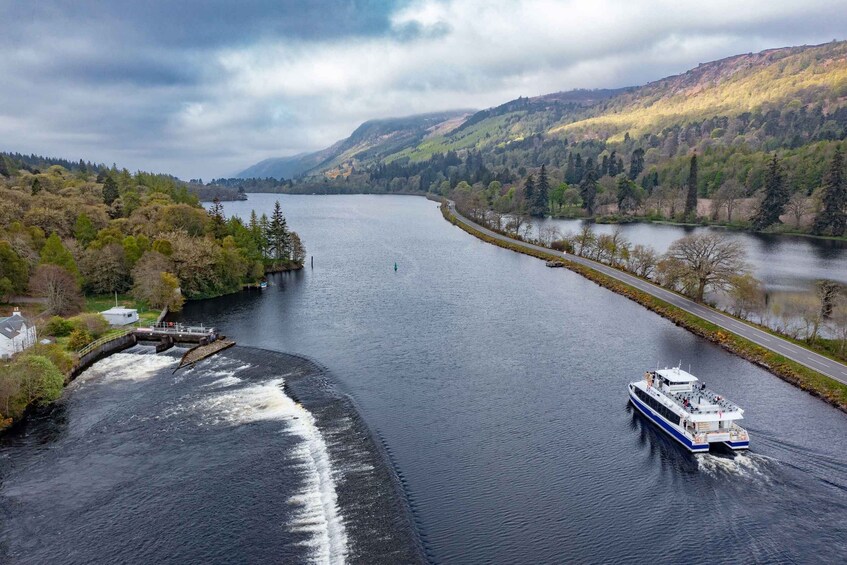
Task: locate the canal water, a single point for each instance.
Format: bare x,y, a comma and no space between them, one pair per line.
497,387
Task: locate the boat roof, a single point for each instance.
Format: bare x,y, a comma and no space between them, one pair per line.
677,375
119,310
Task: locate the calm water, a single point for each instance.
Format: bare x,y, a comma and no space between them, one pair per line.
499,386
781,262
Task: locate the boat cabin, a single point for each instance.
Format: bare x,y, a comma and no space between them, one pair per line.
674,380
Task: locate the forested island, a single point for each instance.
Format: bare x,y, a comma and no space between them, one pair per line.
74,234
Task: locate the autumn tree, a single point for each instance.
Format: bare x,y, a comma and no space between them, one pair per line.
155,284
105,270
707,261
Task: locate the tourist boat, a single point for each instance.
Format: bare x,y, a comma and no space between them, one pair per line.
263,284
687,411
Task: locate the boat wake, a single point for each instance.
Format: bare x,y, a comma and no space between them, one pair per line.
747,464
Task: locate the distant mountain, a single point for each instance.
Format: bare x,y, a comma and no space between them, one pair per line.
373,140
734,112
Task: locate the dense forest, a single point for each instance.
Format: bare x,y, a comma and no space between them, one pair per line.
72,231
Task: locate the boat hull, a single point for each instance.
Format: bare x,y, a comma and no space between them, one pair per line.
667,427
737,445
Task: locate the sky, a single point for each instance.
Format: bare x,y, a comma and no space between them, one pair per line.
206,88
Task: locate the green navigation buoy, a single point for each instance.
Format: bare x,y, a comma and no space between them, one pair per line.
395,267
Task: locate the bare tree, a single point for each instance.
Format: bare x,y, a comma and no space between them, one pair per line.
798,206
548,234
584,240
838,324
727,196
708,261
748,296
642,261
59,287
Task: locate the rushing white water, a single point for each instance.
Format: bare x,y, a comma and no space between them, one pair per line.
316,506
125,367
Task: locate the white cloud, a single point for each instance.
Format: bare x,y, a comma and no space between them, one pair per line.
283,95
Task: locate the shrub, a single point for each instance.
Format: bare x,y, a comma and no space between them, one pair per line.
79,339
94,324
58,327
57,355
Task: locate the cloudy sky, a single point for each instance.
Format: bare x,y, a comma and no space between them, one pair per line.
203,88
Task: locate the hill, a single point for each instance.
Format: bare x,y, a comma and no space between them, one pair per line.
371,141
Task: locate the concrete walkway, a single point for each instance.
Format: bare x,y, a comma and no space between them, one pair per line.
812,360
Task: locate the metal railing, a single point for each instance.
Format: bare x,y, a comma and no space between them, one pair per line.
101,341
180,327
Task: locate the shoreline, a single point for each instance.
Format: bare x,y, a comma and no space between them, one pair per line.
816,384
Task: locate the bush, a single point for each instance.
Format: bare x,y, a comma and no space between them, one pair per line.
79,339
94,324
57,355
58,327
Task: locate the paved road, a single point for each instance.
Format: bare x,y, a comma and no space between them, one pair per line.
810,359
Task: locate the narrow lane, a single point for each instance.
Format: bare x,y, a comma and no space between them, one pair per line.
832,369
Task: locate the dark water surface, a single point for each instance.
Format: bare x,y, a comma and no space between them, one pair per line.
499,387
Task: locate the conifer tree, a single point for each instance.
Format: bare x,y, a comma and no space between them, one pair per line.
529,192
542,193
278,238
776,197
588,190
55,253
36,186
216,212
110,190
636,163
570,174
832,218
578,170
691,197
613,165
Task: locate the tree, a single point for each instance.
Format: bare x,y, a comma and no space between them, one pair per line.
797,206
747,295
110,190
105,270
636,164
218,224
542,193
585,240
588,191
36,186
707,261
59,287
828,292
642,261
84,230
833,217
726,197
691,196
154,283
277,235
298,250
14,271
629,195
529,194
776,197
55,253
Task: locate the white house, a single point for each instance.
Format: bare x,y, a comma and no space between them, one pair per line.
16,334
120,316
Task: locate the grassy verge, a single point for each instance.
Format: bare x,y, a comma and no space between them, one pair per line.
799,375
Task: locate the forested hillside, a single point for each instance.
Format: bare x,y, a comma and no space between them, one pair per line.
633,147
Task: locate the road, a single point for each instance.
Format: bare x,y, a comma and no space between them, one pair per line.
810,359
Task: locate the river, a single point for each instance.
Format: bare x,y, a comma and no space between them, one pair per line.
498,388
